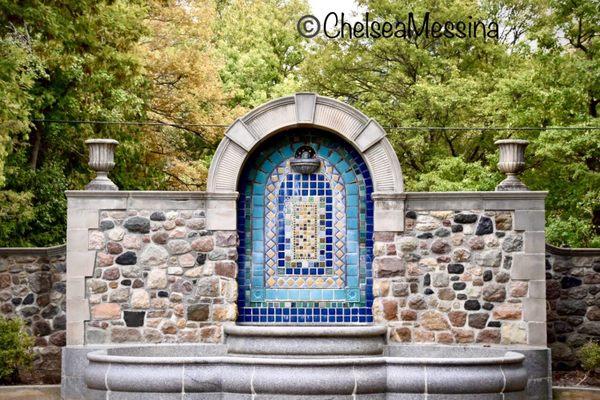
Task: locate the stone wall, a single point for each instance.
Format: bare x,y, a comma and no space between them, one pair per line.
449,279
33,287
573,294
160,277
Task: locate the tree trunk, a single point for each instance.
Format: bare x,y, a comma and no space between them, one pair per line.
35,147
593,107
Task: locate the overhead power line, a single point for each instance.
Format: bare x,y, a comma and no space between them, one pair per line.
401,128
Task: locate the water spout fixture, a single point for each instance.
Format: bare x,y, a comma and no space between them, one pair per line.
305,161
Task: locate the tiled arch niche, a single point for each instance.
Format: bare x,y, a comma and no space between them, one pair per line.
286,274
306,239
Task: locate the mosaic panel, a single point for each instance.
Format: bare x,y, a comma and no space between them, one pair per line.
305,218
305,239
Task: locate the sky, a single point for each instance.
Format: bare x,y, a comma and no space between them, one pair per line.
322,7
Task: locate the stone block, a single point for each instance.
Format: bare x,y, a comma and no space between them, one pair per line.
140,299
534,310
536,333
106,311
78,309
80,263
508,311
153,256
434,321
221,215
529,220
75,332
537,289
198,312
157,279
305,107
528,266
534,242
386,267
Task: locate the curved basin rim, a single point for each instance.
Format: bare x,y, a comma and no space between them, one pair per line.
510,357
310,331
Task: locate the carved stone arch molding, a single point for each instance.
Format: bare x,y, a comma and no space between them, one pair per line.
305,109
310,110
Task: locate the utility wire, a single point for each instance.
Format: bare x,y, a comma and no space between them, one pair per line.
401,128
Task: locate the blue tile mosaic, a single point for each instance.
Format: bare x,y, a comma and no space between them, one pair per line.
305,239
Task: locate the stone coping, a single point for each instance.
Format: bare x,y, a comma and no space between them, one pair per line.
312,331
153,194
34,251
572,252
162,194
103,356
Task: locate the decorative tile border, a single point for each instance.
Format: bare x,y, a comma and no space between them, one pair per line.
274,286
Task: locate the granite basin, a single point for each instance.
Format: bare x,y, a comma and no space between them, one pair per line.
248,370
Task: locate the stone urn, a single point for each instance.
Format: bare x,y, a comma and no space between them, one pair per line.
102,160
512,163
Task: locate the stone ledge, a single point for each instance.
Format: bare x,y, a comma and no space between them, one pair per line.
153,194
34,251
437,201
572,252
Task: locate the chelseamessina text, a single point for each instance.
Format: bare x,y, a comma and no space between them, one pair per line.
335,26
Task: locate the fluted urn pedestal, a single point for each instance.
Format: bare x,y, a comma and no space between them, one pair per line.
512,162
102,160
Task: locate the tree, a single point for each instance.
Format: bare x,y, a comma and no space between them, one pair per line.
530,76
70,60
182,68
261,49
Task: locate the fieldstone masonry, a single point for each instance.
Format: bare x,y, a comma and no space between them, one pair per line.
449,279
573,294
160,277
33,288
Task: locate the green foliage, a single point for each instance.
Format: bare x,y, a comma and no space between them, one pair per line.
64,60
544,70
261,49
589,355
15,348
452,174
209,61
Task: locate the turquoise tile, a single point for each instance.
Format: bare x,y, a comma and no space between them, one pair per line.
303,294
286,152
352,201
339,294
352,259
342,166
349,177
258,201
327,294
352,281
333,158
261,177
352,270
352,294
257,281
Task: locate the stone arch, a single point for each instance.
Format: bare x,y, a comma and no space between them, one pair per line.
312,110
